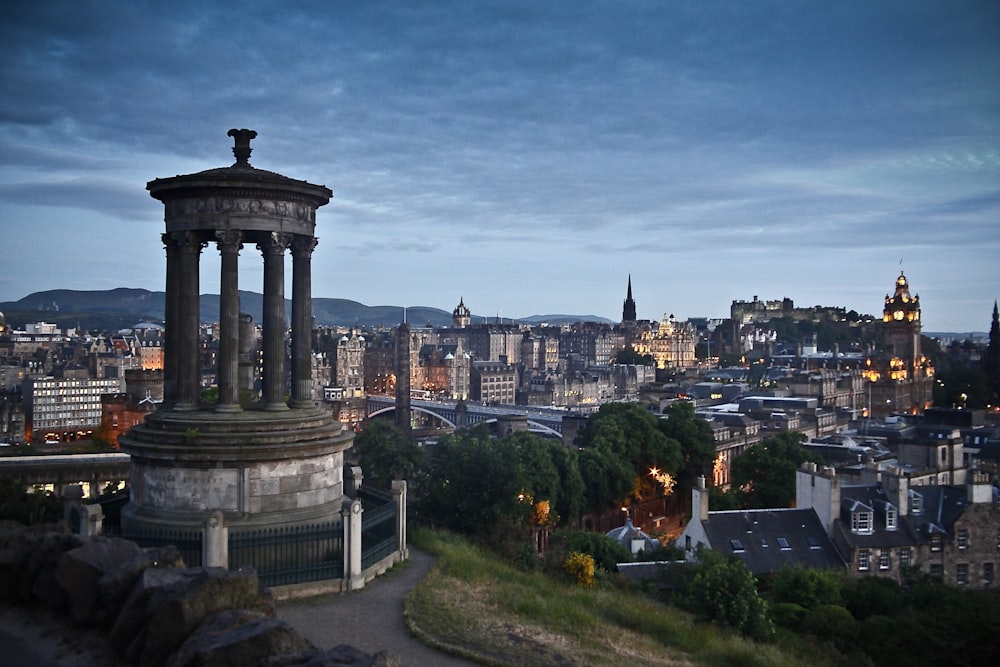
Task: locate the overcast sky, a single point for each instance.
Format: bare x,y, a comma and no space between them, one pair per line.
527,156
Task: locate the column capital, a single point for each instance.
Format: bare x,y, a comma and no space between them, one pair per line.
303,245
229,241
185,241
274,243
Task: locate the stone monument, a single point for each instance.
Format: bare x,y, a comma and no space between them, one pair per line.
270,462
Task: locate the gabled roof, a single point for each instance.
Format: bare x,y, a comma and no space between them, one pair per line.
771,539
870,498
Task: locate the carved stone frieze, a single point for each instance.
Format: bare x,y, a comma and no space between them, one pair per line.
248,205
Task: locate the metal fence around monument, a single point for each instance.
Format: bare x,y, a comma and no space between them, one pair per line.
378,526
290,554
188,542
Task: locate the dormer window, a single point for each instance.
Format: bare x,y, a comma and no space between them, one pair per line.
936,542
891,518
916,503
861,521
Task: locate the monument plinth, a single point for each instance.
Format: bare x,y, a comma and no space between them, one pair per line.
271,462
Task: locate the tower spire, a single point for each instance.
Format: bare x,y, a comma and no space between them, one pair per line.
628,309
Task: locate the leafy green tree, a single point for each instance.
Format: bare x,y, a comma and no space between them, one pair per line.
550,471
473,483
764,475
623,441
806,587
696,441
723,590
629,356
607,553
386,454
608,479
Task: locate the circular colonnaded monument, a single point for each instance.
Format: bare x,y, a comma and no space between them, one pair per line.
273,462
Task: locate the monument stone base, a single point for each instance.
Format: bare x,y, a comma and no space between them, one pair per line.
259,469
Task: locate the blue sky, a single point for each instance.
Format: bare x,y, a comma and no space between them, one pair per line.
527,156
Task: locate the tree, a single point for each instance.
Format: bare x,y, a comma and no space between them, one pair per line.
764,475
477,482
724,590
696,441
549,471
386,454
629,356
473,482
806,587
624,440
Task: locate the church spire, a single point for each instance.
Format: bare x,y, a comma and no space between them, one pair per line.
628,309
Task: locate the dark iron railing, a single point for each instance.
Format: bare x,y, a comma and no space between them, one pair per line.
188,542
378,526
290,554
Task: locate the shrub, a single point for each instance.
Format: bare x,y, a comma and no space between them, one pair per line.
581,568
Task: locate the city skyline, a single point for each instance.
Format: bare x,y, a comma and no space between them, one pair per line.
526,157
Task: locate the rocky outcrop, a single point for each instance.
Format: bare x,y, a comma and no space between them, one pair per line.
156,611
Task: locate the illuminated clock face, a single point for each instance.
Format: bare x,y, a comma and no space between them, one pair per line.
898,315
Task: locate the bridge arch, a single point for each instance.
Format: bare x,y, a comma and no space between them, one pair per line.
415,408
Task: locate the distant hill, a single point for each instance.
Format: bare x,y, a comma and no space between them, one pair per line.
122,307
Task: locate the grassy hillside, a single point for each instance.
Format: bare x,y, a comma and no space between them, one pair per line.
475,605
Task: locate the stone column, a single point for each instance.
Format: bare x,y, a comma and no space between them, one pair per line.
229,243
399,497
350,514
215,542
272,247
188,311
171,319
302,248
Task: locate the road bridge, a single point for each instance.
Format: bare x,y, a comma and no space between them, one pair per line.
541,420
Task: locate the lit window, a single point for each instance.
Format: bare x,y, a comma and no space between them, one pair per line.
936,542
891,522
963,538
884,561
861,522
864,558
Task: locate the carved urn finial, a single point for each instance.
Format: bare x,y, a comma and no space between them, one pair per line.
242,148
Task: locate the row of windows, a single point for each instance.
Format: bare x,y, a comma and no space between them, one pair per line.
963,570
884,559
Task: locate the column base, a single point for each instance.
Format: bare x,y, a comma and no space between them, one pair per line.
228,408
274,407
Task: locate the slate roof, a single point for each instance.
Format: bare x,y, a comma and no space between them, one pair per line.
771,539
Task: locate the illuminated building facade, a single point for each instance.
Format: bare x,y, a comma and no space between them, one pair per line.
900,377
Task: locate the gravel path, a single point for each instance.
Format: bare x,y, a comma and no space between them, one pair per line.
370,619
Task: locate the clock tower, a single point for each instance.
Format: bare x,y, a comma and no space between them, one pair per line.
901,322
900,378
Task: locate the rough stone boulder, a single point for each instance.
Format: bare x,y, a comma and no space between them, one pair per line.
28,559
239,638
167,605
116,585
79,572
